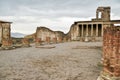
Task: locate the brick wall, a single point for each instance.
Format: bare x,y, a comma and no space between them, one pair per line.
111,51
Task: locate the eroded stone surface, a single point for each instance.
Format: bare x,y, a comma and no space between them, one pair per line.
111,53
25,42
48,36
5,34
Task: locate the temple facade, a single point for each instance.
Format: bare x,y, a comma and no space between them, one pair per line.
92,30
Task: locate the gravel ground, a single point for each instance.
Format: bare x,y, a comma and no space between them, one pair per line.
64,62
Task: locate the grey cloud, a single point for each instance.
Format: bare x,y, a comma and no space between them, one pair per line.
33,13
52,8
55,8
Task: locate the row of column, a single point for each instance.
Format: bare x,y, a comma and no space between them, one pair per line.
82,30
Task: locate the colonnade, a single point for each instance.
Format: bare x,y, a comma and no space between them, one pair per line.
90,30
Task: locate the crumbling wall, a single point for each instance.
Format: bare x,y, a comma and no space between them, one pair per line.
111,52
102,14
44,34
73,33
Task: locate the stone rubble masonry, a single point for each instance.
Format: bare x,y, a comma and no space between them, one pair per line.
48,36
38,41
60,39
65,39
6,44
25,42
111,52
48,40
54,40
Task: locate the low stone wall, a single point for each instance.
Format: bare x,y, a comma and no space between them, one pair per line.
6,44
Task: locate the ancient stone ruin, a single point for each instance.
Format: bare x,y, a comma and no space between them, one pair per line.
25,42
47,36
5,34
92,30
111,54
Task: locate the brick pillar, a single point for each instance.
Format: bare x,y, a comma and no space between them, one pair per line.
111,54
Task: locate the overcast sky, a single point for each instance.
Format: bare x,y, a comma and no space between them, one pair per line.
26,15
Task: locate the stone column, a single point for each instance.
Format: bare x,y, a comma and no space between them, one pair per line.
91,30
86,36
97,30
87,30
102,30
82,29
1,33
78,30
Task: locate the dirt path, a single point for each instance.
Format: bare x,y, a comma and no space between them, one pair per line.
64,62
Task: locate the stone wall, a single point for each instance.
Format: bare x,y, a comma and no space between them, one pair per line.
73,33
111,53
46,35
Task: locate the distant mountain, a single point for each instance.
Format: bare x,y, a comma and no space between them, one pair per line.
17,35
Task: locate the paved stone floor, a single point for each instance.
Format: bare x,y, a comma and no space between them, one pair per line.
67,61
